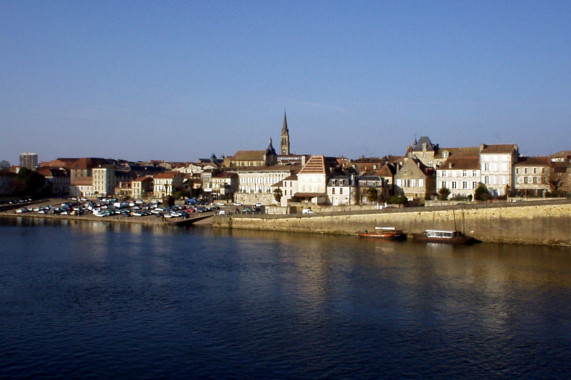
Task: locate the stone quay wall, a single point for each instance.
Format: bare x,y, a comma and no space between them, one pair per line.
543,223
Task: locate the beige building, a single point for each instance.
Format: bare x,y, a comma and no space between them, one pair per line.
224,185
424,150
249,158
532,176
415,180
142,187
81,187
560,172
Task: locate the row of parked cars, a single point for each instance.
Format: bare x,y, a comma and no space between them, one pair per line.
112,207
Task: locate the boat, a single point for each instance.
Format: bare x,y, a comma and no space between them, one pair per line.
444,236
386,233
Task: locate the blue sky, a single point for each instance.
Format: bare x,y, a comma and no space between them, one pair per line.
179,80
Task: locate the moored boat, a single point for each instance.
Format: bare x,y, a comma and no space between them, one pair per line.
386,233
444,236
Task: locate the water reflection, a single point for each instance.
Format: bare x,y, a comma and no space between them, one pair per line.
269,304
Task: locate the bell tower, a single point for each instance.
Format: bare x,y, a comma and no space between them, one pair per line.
284,146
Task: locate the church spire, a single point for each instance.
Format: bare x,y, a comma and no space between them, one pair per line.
284,128
284,146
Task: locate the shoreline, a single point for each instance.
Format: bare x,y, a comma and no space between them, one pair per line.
545,224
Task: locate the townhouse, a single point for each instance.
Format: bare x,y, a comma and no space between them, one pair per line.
460,175
532,176
497,167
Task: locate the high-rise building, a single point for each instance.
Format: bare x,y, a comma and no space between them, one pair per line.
29,161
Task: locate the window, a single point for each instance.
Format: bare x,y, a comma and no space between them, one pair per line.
333,191
453,184
341,191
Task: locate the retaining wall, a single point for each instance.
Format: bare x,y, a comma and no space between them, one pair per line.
547,224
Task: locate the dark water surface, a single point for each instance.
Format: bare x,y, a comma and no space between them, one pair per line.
91,300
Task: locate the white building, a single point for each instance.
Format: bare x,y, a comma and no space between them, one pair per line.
341,191
460,175
165,184
260,179
497,167
103,180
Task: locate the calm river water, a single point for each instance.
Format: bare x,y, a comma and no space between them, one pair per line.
92,300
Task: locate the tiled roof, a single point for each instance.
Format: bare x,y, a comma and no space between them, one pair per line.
461,163
167,175
534,161
315,165
273,168
249,155
498,148
459,152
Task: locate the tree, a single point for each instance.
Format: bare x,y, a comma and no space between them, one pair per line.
397,199
443,194
4,165
278,194
29,181
481,193
372,194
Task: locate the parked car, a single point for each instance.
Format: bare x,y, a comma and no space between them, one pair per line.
307,211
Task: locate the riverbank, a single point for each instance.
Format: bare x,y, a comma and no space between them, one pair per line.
538,223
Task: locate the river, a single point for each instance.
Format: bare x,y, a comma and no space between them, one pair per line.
97,300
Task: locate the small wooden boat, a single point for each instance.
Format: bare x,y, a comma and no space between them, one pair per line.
443,236
386,233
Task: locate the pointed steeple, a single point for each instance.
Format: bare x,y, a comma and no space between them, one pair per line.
284,128
284,145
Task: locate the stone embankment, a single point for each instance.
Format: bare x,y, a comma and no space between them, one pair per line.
543,222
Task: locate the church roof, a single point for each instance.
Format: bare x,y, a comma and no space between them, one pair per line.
249,155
